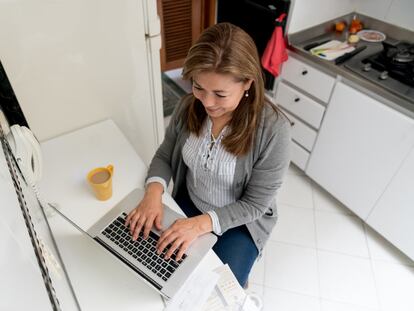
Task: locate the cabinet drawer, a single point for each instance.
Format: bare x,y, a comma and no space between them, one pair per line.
300,105
299,156
308,78
302,133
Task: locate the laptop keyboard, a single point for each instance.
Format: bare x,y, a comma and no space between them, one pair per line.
144,251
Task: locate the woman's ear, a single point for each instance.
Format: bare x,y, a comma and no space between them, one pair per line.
248,84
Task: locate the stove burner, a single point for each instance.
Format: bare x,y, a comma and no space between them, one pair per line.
401,53
403,57
396,61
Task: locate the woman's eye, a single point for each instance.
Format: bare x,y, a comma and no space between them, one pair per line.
197,88
220,96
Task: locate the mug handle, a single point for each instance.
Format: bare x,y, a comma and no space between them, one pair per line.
110,168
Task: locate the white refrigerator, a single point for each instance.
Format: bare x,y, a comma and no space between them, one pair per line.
72,63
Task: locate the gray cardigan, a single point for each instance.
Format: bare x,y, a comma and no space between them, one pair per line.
258,174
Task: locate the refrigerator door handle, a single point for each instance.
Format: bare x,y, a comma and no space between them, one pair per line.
153,50
152,24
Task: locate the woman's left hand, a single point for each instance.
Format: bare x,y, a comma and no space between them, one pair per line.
182,233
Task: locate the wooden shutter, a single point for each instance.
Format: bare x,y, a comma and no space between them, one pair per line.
181,23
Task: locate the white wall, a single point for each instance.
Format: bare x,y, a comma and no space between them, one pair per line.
397,12
308,13
73,63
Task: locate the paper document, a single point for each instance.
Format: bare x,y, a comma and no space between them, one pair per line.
228,294
194,293
217,290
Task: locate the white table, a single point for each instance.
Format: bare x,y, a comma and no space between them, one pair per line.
100,281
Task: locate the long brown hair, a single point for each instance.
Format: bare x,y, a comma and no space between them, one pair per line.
227,49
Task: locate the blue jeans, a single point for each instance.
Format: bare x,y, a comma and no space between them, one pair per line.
234,247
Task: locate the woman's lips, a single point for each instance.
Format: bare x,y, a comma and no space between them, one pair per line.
212,110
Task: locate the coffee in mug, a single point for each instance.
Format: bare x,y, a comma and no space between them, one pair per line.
100,180
100,177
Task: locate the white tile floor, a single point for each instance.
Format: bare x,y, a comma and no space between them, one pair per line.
322,257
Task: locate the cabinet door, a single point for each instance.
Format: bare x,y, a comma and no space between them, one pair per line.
393,215
308,78
302,106
360,146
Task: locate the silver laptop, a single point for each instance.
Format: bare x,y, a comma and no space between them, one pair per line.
166,276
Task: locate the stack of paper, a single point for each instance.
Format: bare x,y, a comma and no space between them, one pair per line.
217,290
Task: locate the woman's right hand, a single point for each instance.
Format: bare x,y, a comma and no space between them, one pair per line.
148,213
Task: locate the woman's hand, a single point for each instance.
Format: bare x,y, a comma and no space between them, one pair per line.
148,213
182,233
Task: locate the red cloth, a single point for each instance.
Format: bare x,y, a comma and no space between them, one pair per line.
275,53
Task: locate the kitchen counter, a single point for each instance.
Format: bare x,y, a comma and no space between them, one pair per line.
325,31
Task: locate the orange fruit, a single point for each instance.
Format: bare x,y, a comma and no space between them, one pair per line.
340,26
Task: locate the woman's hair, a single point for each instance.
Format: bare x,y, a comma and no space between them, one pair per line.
227,49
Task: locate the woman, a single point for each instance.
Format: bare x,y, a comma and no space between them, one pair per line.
226,149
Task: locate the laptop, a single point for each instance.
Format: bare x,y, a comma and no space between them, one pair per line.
165,276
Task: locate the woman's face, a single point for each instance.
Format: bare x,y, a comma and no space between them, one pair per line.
220,94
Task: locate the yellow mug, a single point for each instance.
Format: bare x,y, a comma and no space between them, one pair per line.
100,180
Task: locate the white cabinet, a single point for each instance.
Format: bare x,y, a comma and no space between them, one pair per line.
360,146
299,155
300,93
300,105
393,215
301,133
308,78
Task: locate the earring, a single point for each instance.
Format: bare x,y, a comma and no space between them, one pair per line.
246,94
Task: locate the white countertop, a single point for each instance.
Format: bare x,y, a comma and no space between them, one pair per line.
100,281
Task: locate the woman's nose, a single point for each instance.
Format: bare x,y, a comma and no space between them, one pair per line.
208,100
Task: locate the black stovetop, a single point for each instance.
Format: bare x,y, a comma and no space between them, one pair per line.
392,68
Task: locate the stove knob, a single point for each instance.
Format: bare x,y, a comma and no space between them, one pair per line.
383,75
367,67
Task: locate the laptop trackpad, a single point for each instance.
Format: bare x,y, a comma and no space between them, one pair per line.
169,217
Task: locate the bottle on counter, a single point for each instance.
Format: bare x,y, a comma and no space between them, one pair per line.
355,25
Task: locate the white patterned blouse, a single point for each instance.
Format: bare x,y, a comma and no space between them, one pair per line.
210,172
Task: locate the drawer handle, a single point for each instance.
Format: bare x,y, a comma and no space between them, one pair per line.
297,99
304,72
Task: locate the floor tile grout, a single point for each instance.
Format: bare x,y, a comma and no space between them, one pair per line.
390,261
316,246
292,205
292,244
318,209
372,269
319,297
323,250
291,291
